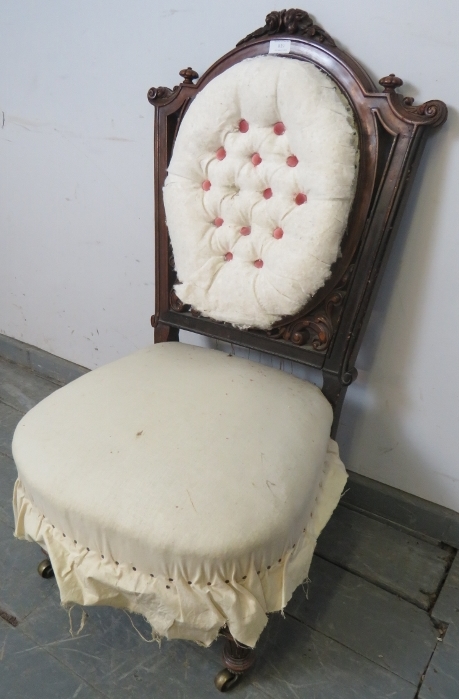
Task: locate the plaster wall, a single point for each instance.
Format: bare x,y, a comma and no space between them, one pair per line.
76,203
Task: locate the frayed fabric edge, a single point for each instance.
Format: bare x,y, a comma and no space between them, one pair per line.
243,610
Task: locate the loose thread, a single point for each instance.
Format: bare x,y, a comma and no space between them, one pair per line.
84,616
154,636
306,591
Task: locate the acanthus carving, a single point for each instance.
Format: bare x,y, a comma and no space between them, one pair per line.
159,93
316,329
433,112
177,304
293,21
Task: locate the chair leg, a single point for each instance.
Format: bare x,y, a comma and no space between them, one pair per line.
237,658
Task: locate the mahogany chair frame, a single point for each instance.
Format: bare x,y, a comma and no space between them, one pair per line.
327,333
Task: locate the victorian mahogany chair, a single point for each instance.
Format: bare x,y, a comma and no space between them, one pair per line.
185,484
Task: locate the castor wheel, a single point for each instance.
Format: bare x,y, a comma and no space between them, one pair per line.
45,569
225,680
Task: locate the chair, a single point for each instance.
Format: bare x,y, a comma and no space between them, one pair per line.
185,484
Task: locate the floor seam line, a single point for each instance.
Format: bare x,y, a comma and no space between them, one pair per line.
67,667
423,676
393,524
442,584
372,582
29,370
8,405
351,649
5,453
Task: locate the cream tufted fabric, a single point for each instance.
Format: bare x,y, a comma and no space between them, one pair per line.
259,190
180,483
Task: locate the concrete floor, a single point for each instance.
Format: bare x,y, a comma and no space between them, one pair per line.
380,617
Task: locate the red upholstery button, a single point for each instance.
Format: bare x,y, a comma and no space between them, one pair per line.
243,126
268,193
218,222
278,233
279,128
220,154
256,160
258,263
246,230
292,161
300,198
206,185
228,256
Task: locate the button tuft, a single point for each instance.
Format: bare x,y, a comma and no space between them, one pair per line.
229,256
278,233
220,154
246,230
279,128
256,159
258,264
268,193
300,198
292,161
206,185
243,126
218,222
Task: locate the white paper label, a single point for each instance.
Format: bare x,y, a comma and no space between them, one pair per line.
279,46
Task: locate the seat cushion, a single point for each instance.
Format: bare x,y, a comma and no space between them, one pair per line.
259,189
181,483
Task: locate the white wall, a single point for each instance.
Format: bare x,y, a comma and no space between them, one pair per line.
76,209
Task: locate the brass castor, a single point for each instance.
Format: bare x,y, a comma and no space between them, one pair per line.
225,680
45,569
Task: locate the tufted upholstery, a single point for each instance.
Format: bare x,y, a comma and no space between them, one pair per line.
259,190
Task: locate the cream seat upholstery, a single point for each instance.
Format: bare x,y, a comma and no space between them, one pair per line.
180,483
